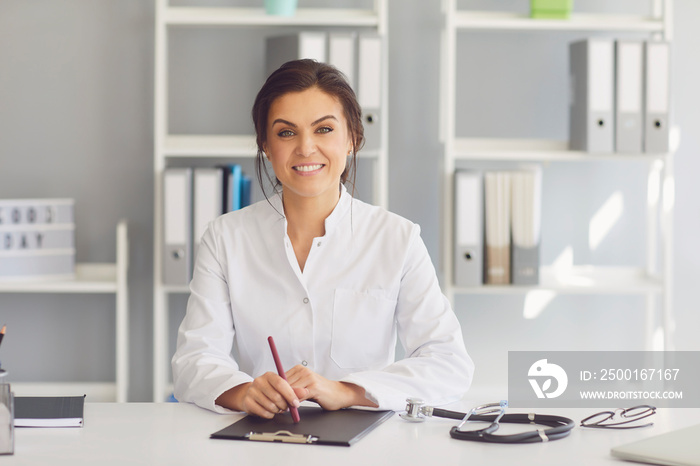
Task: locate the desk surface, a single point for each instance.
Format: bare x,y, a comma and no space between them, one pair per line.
178,434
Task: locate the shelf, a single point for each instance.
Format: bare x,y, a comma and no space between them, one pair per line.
533,150
581,280
89,278
500,21
194,146
209,146
212,16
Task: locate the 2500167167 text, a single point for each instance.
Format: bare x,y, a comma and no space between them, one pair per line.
630,375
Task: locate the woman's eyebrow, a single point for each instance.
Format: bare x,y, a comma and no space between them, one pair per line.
293,125
327,117
285,122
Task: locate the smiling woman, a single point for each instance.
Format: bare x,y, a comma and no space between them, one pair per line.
335,281
308,144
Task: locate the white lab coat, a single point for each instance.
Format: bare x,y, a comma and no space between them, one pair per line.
367,280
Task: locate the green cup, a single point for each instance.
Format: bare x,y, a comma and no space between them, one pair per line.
280,7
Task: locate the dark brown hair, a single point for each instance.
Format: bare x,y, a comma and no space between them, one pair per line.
297,76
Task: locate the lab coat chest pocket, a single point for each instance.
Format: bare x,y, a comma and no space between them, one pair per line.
363,330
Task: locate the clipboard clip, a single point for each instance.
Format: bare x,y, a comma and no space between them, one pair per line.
283,436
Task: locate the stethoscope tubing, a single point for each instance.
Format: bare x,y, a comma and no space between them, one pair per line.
559,427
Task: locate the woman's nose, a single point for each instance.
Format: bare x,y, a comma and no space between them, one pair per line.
306,146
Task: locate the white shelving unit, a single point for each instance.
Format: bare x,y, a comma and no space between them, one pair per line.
171,147
654,279
90,278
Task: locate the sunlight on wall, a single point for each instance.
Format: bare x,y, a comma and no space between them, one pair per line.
565,259
535,302
653,183
603,220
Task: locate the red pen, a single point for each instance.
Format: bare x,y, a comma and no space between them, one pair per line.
280,371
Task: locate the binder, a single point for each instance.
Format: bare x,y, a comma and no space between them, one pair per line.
497,227
342,54
177,224
469,229
526,216
591,73
629,93
369,87
246,190
657,97
234,187
344,427
304,44
207,200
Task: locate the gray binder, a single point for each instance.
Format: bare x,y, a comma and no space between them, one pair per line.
369,87
526,207
592,88
469,229
317,427
656,99
629,93
304,44
177,226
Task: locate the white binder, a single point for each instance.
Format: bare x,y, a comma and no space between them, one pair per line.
657,97
177,224
304,44
469,229
207,200
497,201
342,53
526,218
369,87
592,88
629,87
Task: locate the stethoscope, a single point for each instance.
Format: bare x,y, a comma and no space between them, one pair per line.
494,413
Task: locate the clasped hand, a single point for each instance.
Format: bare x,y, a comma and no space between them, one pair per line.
270,394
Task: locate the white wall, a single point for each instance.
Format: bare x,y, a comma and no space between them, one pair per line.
76,121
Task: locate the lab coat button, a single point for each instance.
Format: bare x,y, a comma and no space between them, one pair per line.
306,300
304,363
318,244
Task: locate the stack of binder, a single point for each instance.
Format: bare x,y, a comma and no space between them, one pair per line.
37,239
357,55
497,227
192,198
620,96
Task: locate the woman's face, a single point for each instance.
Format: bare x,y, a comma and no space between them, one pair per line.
308,143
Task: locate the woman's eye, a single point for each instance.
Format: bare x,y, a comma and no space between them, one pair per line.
324,129
285,133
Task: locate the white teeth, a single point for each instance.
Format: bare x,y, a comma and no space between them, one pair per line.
307,168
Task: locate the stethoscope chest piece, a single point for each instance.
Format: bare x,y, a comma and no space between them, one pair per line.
413,410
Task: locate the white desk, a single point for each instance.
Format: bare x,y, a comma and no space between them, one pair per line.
178,434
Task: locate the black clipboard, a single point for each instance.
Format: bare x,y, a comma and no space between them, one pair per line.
317,427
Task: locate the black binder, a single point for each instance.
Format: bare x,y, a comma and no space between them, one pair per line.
317,427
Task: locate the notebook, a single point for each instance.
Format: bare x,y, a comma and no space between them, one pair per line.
676,448
339,428
49,411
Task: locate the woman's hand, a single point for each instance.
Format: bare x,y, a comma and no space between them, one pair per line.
265,396
330,394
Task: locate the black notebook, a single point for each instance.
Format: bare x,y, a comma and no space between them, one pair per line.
317,426
49,411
